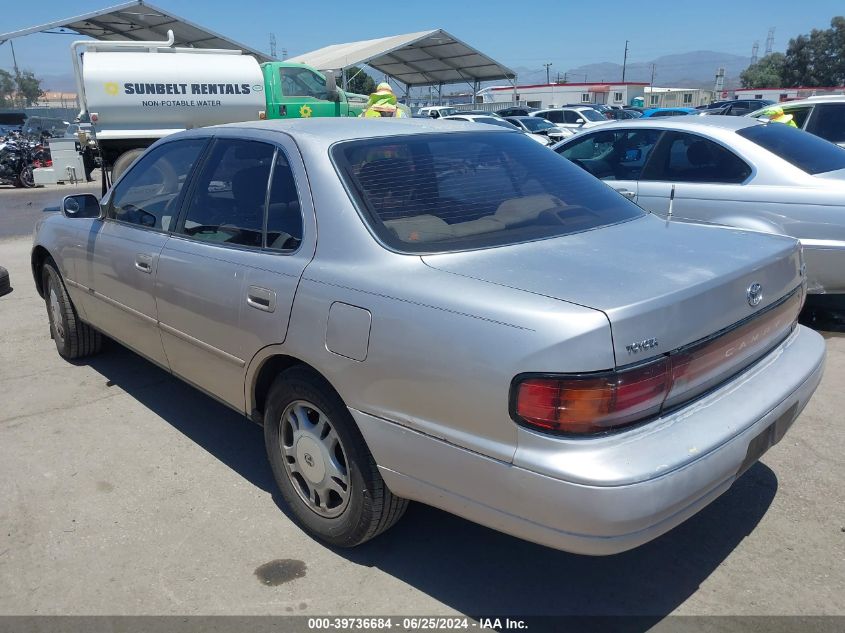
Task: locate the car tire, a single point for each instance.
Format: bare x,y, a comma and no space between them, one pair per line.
124,161
73,337
5,284
314,446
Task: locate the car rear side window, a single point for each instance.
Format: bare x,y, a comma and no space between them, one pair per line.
148,195
809,153
446,192
683,157
228,201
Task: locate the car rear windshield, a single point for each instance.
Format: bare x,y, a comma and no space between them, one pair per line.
535,123
434,193
806,151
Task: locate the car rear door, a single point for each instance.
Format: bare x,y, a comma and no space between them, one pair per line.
705,174
120,254
227,276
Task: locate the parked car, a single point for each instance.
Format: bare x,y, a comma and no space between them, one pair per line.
737,107
622,115
537,125
480,113
479,325
498,121
575,119
659,112
516,111
435,112
714,104
823,116
36,126
735,171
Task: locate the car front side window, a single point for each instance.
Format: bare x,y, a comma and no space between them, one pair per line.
618,155
148,195
228,202
828,122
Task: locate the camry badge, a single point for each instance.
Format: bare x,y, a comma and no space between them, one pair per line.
639,346
754,294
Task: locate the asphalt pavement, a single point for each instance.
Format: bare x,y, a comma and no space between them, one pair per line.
21,208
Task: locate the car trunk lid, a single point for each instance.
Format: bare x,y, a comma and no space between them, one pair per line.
662,285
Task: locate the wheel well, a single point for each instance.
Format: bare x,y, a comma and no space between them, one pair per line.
271,368
39,256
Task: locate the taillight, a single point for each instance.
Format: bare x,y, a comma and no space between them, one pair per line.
593,403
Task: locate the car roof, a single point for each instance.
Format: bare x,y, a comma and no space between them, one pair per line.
813,101
522,117
333,129
686,122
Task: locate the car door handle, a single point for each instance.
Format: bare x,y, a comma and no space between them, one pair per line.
628,193
261,298
144,263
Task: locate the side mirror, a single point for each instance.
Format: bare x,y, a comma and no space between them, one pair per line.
580,121
82,205
331,87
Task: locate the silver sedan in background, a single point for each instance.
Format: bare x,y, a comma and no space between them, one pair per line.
733,171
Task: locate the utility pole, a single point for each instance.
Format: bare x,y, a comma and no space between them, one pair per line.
651,83
273,45
547,66
625,61
754,50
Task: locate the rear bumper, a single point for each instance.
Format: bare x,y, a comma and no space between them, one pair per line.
825,261
607,495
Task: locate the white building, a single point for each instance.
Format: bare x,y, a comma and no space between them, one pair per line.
556,95
676,97
786,94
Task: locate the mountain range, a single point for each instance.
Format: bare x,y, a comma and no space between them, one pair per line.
696,69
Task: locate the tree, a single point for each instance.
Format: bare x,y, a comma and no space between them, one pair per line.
359,81
28,87
766,72
7,89
817,59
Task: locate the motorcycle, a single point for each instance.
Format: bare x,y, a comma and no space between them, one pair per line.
16,163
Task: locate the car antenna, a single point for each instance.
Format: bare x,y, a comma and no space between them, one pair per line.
671,202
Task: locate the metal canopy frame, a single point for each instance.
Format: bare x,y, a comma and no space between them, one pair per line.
425,58
139,21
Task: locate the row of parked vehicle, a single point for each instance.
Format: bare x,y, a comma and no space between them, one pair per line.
823,116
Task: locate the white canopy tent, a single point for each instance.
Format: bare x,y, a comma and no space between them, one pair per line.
425,58
139,21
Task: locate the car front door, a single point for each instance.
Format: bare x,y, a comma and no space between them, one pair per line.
615,156
227,276
121,257
828,122
708,179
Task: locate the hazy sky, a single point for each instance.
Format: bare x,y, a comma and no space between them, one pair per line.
518,34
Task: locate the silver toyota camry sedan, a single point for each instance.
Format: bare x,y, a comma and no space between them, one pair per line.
442,312
734,171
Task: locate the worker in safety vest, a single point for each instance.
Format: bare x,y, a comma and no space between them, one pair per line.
383,103
776,114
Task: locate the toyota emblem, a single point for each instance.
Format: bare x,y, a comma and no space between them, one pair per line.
754,294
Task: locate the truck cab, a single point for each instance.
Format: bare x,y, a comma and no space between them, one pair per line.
295,91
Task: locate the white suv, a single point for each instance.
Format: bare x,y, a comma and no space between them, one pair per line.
575,118
437,112
823,116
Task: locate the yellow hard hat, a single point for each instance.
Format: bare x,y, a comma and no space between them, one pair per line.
772,112
384,89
